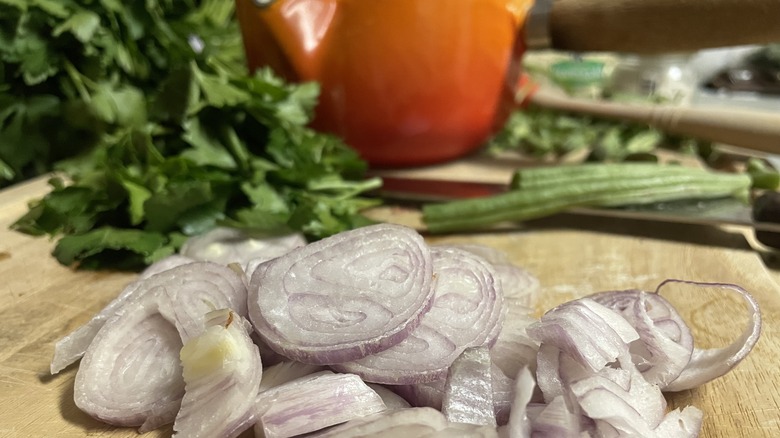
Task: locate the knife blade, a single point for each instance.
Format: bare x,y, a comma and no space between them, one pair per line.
722,211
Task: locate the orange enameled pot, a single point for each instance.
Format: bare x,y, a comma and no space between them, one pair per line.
404,82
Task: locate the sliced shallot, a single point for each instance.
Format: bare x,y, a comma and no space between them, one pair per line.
431,394
172,301
466,312
130,374
519,423
708,364
343,297
314,402
468,394
516,282
585,330
204,286
665,343
225,245
410,422
222,372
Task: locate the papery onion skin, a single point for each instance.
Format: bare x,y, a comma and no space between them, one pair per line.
467,311
344,297
222,371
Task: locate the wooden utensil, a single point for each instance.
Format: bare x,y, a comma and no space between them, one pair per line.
652,26
750,129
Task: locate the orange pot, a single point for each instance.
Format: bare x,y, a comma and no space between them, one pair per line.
404,82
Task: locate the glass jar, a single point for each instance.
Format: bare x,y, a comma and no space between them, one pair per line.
666,79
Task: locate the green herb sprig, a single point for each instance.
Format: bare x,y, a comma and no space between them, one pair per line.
148,111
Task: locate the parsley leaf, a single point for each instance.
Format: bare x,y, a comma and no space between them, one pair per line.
160,131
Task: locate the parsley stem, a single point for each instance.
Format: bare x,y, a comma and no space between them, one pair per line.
78,80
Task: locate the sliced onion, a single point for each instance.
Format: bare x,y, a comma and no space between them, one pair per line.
285,372
187,292
225,245
431,394
130,374
204,286
665,343
169,262
708,364
519,423
222,372
516,282
555,369
685,423
391,399
466,312
411,422
513,348
468,394
622,399
163,303
314,402
343,297
585,330
556,420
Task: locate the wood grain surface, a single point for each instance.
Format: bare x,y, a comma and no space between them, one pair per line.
41,301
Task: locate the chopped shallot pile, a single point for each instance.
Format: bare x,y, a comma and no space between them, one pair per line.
374,332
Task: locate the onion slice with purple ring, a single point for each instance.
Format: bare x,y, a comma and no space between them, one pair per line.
130,375
207,285
467,311
344,297
150,387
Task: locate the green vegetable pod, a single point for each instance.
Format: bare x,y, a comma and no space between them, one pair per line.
618,190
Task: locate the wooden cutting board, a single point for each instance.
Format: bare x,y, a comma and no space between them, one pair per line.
41,301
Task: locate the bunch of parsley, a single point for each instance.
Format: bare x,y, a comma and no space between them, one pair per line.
158,131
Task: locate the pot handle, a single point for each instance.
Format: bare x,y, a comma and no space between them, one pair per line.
652,26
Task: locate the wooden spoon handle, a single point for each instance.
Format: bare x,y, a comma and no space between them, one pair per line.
754,130
661,26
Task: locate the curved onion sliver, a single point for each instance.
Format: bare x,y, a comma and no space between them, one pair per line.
709,364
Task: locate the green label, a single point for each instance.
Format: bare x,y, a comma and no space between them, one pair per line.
575,74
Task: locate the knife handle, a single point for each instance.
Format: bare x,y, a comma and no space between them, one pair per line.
661,26
754,130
